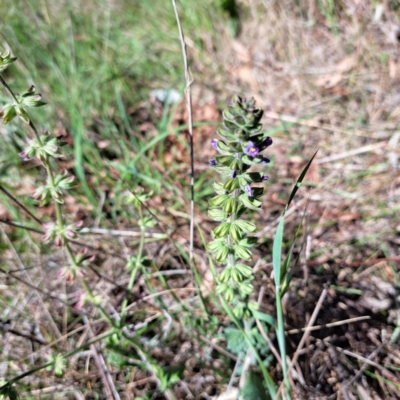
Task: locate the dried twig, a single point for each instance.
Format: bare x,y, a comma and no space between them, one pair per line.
101,365
189,82
12,198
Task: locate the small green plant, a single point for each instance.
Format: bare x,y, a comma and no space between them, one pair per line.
240,148
45,148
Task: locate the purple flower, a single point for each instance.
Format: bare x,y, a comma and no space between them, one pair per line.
213,162
265,160
214,143
24,155
234,173
266,143
248,190
264,178
251,149
228,102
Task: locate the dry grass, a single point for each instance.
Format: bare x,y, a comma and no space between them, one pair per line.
332,77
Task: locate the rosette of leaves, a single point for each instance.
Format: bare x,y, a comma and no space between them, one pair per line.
239,147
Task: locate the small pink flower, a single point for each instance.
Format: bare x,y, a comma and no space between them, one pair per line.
70,273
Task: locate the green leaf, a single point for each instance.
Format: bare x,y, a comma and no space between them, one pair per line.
218,187
236,341
257,192
286,263
252,177
236,275
287,280
225,275
224,160
240,210
228,116
235,233
243,181
249,241
250,202
170,375
8,391
230,206
242,252
222,230
246,288
227,135
245,270
264,317
300,180
224,149
22,114
221,254
245,226
253,388
277,251
216,214
8,113
236,165
252,160
221,169
231,184
215,245
219,200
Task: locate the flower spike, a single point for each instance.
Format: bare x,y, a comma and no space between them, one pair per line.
240,148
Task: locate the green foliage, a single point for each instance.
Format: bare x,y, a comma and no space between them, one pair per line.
283,275
237,342
253,388
95,63
6,60
8,391
58,365
240,147
169,375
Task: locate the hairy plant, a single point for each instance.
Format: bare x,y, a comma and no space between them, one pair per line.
242,141
44,148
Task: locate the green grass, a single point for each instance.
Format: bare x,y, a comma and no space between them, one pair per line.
94,64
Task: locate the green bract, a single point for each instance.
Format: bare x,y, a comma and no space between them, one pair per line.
6,60
54,188
43,148
239,146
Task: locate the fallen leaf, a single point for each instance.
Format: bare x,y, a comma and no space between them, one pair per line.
347,64
329,81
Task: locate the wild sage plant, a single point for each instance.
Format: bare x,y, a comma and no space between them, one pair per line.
241,143
45,148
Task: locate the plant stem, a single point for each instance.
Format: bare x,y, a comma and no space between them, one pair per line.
60,221
4,83
138,262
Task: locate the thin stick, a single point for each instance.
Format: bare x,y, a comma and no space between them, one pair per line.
11,197
115,232
353,152
311,123
338,323
105,375
365,361
189,108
